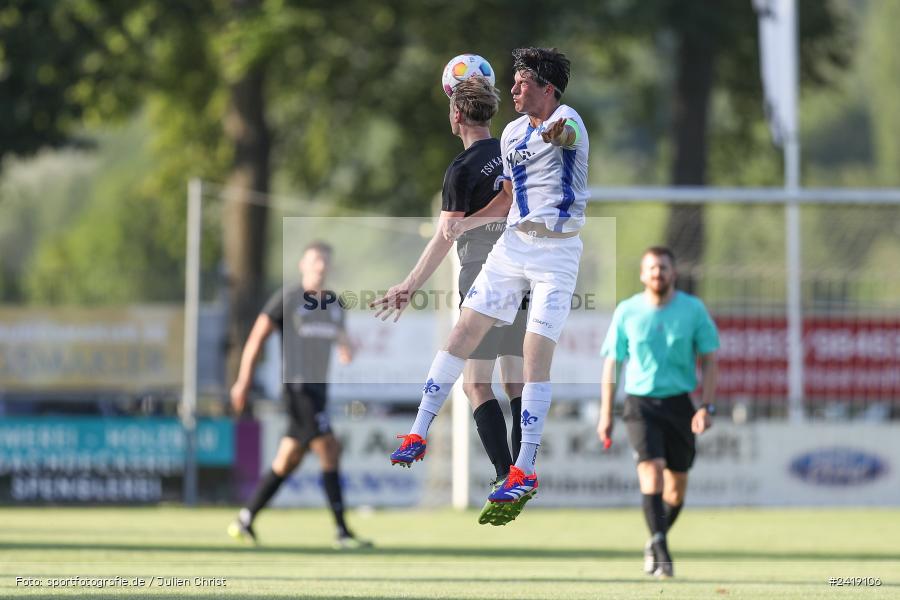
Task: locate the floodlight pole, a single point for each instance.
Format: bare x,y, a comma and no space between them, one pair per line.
188,408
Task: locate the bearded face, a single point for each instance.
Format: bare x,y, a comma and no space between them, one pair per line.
657,273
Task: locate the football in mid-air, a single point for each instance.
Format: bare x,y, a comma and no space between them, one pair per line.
462,67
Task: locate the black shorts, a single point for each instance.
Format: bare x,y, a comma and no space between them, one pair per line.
661,428
307,418
498,341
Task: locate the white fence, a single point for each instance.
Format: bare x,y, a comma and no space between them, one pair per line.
764,464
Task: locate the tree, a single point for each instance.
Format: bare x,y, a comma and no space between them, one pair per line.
245,218
305,70
342,98
713,52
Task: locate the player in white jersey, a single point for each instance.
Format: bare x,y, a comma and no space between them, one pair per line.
545,157
549,182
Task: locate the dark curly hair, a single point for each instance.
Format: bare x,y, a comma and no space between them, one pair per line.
546,65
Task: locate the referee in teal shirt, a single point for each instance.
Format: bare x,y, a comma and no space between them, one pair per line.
662,332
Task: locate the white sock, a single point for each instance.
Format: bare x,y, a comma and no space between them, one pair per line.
422,423
245,517
444,372
535,406
527,456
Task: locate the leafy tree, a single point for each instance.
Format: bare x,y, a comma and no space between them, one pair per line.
712,54
108,59
342,98
305,70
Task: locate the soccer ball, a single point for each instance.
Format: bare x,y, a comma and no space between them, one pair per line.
462,67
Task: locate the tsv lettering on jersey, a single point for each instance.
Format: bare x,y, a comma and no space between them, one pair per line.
488,168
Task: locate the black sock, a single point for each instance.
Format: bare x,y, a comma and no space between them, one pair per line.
264,492
515,436
331,481
671,514
491,425
655,514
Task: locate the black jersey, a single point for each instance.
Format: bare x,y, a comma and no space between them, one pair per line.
309,328
470,183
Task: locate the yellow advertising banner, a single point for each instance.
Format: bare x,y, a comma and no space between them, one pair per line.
130,349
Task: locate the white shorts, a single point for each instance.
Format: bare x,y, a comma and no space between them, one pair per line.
519,262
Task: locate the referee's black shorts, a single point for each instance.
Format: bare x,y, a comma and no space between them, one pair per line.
498,341
307,418
661,428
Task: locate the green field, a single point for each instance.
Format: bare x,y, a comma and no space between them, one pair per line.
559,554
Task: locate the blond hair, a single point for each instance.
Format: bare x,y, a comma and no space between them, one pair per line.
476,99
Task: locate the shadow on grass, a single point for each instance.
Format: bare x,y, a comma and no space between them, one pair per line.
458,552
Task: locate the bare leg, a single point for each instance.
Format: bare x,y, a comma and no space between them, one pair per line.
468,332
477,375
445,370
288,456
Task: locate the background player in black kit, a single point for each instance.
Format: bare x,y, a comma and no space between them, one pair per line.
470,183
310,326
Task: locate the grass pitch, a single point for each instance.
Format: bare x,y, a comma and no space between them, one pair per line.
558,554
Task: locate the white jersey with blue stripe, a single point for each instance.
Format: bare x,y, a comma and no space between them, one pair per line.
549,182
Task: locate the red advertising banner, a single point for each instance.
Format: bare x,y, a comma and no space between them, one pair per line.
844,358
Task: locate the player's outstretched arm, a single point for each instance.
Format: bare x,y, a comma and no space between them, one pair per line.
262,329
397,297
709,369
607,393
495,210
561,133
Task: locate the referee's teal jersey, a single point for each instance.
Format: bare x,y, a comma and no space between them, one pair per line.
661,343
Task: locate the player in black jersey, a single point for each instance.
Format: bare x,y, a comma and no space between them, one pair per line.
470,183
310,325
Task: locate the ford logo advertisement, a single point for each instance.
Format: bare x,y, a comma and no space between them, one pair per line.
839,467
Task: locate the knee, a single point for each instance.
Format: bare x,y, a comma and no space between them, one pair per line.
464,338
285,463
650,476
674,488
512,390
478,392
673,496
331,453
333,449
